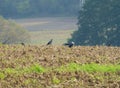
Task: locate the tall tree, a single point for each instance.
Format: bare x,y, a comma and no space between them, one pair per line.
98,23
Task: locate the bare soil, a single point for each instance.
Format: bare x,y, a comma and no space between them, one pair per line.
18,56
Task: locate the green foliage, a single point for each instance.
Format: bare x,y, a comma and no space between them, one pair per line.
26,8
10,71
34,68
71,67
100,68
2,76
99,23
37,68
55,80
18,71
93,67
11,33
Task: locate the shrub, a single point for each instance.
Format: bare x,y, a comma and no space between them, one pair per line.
12,33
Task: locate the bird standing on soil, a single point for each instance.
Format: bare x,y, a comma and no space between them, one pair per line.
71,44
23,44
109,44
50,42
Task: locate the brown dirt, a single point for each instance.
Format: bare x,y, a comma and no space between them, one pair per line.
17,56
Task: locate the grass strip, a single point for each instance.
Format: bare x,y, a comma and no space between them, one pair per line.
93,67
71,67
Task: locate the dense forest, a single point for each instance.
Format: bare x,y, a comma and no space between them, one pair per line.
98,23
33,8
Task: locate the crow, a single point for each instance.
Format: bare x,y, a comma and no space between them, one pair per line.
5,41
70,44
23,44
50,42
109,44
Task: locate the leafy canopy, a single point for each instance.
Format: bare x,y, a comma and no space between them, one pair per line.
98,23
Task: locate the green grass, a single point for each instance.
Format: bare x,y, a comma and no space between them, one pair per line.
93,67
55,80
17,71
2,75
37,69
71,67
11,71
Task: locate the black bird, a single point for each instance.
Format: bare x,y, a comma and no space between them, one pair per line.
23,44
109,44
5,41
71,44
50,42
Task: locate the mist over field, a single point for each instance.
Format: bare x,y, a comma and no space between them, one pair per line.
45,28
44,19
48,23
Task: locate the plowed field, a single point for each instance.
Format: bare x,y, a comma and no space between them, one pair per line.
59,66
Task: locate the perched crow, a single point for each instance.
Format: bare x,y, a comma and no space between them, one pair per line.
5,42
23,44
109,44
71,44
50,42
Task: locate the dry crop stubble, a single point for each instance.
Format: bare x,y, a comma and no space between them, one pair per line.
34,66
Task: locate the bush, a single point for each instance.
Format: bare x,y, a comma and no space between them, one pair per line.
12,33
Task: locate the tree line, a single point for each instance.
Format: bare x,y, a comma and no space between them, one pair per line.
31,8
98,23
